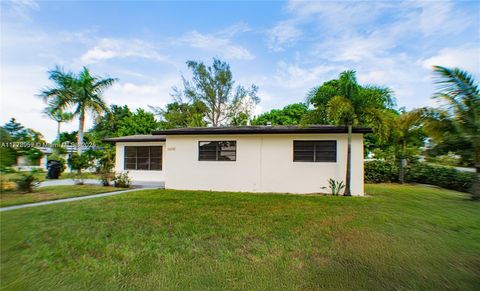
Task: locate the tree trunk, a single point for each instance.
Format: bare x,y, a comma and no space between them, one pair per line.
58,130
475,191
80,132
403,162
348,191
476,184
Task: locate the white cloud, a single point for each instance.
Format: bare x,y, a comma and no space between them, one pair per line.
18,9
440,18
466,58
294,76
219,43
109,48
235,29
283,34
137,95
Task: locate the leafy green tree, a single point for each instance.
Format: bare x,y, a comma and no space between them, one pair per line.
58,115
460,117
344,102
408,130
214,87
289,115
8,155
13,131
80,162
68,137
108,124
16,131
140,122
106,164
182,114
82,91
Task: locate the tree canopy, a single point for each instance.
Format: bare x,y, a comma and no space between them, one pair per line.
214,86
182,114
291,114
80,92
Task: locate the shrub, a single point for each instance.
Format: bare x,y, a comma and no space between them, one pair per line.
6,170
78,163
449,159
27,181
6,184
381,172
105,166
122,180
446,177
335,186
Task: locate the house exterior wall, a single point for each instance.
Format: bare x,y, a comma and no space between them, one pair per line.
138,175
264,163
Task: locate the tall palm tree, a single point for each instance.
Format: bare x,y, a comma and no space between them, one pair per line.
407,128
82,92
461,93
58,115
344,102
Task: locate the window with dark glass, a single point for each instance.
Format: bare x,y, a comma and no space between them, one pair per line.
315,151
217,150
143,158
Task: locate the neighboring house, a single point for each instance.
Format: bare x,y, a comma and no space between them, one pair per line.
285,159
24,164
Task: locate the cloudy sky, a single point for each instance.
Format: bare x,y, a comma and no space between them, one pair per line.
284,47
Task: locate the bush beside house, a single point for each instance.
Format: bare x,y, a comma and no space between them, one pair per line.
446,177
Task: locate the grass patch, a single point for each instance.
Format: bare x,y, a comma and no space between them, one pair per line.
47,193
403,237
41,175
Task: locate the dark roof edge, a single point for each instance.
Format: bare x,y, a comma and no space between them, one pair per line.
127,139
213,131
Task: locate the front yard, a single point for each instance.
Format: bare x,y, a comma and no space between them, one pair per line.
9,198
403,237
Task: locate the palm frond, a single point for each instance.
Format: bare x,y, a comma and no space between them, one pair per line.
456,87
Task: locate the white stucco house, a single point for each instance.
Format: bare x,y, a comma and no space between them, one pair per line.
284,159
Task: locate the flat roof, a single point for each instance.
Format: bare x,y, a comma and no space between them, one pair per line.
280,129
137,137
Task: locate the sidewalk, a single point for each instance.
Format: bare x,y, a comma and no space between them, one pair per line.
137,187
72,199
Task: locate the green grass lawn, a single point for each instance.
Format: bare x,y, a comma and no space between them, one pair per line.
41,176
402,237
47,193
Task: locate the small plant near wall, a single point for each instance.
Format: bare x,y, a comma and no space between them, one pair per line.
122,180
78,163
26,182
335,186
105,168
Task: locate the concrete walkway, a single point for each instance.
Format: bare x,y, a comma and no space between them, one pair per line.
138,185
62,182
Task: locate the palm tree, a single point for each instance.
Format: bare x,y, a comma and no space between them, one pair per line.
407,128
82,92
344,102
58,115
462,96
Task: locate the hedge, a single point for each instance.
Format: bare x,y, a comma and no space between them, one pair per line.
445,177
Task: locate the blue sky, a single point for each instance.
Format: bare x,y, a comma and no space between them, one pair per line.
285,48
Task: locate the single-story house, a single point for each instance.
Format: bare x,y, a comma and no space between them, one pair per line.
285,159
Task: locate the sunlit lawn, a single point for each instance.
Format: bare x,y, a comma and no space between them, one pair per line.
9,198
402,237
